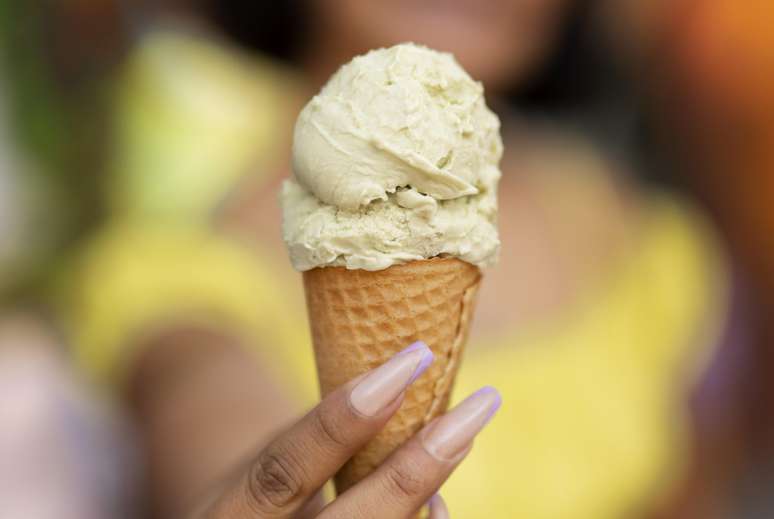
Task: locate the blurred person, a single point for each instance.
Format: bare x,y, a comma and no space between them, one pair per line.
607,306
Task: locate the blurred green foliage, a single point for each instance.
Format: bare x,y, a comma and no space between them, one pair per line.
54,130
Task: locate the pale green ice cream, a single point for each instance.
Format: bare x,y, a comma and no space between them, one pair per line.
395,160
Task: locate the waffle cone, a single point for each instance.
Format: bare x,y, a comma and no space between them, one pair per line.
359,319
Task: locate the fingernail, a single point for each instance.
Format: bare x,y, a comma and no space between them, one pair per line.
384,384
450,435
438,508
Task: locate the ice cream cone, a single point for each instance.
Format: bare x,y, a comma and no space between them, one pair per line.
359,319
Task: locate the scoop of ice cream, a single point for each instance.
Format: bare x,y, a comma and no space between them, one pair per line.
395,160
395,117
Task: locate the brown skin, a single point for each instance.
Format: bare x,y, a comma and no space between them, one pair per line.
204,405
196,426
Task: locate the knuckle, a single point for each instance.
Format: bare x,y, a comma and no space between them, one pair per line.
405,481
272,482
330,432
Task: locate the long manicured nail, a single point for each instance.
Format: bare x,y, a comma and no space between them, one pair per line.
384,384
438,508
448,436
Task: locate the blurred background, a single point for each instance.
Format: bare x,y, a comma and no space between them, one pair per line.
152,333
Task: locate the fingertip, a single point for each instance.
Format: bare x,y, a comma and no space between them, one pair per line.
424,363
438,509
381,386
498,400
446,438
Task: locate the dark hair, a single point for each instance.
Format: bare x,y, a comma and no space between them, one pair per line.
275,28
568,79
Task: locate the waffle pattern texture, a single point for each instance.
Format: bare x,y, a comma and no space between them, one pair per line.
359,319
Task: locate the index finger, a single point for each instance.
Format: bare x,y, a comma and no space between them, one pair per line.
294,466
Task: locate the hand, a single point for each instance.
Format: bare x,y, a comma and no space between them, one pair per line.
286,476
